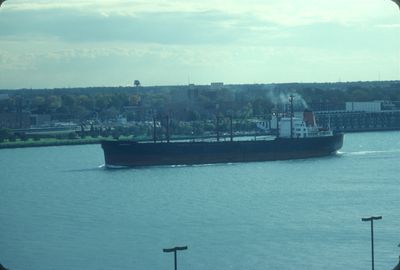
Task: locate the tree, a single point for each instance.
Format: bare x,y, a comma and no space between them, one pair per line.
134,99
53,102
86,101
68,100
102,102
39,103
136,83
4,134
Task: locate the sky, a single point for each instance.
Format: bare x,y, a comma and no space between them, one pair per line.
83,43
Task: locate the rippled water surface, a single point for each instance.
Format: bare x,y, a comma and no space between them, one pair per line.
60,209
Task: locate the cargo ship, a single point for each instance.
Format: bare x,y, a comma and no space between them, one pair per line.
296,139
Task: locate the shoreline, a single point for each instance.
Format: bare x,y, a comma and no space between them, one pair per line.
13,145
34,144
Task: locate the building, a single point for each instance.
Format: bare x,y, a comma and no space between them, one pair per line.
39,120
372,106
4,96
362,116
217,85
15,120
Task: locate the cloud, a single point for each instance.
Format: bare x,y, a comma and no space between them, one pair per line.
388,26
87,42
209,27
186,21
287,13
119,63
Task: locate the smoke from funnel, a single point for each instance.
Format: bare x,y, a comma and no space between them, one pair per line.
283,98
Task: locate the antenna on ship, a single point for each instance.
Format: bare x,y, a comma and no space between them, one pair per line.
291,97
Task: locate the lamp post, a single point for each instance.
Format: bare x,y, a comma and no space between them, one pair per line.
174,250
371,219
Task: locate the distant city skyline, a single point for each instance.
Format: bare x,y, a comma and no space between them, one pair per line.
52,44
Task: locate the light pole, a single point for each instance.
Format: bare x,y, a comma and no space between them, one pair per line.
371,219
174,250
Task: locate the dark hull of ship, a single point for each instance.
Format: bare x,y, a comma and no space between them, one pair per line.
120,153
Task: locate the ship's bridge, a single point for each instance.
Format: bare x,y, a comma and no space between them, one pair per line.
300,129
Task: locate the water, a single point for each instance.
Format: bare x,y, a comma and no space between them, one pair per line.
60,209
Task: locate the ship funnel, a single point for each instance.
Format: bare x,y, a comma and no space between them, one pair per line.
309,118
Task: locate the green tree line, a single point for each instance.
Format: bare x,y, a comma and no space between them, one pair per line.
186,103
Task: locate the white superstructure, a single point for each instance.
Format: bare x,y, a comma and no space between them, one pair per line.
300,129
297,127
